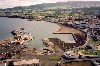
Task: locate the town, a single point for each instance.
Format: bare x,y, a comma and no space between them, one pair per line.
82,26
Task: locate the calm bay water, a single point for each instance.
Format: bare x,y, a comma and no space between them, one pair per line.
38,29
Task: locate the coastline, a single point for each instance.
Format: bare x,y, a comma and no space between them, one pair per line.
65,29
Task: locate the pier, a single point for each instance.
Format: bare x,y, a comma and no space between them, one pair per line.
49,45
46,41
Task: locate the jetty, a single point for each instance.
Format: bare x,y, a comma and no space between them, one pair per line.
49,45
47,42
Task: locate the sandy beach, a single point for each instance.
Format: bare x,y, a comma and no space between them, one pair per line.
65,30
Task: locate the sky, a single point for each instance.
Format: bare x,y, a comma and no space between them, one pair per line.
14,3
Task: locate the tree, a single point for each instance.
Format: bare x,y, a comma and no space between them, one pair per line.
11,63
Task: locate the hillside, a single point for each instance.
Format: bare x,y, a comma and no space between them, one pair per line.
59,5
70,4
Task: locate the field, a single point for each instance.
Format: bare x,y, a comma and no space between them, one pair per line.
79,63
91,52
54,58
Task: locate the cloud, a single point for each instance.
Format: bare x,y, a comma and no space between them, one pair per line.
13,3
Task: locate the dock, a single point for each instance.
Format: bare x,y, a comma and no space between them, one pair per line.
60,32
50,45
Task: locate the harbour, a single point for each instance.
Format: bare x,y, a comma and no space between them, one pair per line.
33,27
52,33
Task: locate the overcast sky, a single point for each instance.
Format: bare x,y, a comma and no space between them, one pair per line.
13,3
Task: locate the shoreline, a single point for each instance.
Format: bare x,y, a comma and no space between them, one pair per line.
66,29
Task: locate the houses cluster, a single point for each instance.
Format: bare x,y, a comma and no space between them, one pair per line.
21,15
16,44
21,36
87,23
70,55
94,30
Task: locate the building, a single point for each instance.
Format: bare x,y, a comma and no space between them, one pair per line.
20,41
81,25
